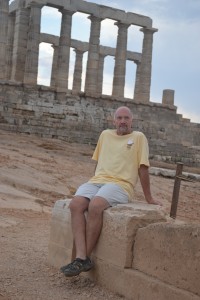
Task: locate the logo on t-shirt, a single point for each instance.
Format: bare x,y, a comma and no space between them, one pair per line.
130,143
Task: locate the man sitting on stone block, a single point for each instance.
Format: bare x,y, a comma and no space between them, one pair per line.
121,155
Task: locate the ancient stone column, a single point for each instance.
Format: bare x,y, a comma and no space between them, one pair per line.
32,56
143,92
9,48
78,69
168,97
54,66
100,74
64,51
93,56
4,8
137,79
20,43
120,60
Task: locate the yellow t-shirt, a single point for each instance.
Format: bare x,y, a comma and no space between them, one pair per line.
119,158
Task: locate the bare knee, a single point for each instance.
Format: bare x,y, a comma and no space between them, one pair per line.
97,207
78,204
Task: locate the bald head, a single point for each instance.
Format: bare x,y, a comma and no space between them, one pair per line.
123,118
123,109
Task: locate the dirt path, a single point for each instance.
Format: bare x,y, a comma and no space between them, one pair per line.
34,173
25,273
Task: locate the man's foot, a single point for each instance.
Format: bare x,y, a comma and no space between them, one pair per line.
76,267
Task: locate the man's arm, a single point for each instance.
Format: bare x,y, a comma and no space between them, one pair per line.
95,167
145,183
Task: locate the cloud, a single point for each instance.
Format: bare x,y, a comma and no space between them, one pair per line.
51,20
45,64
81,22
51,12
108,33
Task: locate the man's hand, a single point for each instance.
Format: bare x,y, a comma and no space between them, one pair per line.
145,183
155,202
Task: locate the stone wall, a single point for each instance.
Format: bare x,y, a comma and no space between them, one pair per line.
139,255
80,118
76,116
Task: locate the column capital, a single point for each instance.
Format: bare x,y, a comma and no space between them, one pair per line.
94,18
35,4
79,51
54,46
136,61
149,30
64,11
102,54
122,25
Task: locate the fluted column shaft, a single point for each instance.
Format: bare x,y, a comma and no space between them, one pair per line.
78,69
143,91
32,56
54,66
64,51
4,9
100,74
93,56
9,48
120,60
137,79
20,43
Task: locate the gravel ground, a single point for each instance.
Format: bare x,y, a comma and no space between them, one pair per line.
34,173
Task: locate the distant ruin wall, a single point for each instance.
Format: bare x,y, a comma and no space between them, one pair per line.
78,118
78,115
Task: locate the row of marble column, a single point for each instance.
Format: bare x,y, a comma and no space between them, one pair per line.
78,71
22,53
4,6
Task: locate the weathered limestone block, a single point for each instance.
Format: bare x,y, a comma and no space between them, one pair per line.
120,226
115,245
165,257
133,284
171,253
61,239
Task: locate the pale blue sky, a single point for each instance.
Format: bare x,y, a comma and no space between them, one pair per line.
176,49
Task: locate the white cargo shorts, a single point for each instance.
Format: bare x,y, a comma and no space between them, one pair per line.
112,192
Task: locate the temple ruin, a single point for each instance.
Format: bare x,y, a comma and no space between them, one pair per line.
79,115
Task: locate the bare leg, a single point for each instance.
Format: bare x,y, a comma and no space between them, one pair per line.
78,206
94,222
85,236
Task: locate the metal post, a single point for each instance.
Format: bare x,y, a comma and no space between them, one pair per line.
176,190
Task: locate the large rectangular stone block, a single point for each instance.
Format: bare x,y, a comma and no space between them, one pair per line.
115,245
61,239
120,225
133,284
170,252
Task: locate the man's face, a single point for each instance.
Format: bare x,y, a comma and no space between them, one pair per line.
123,121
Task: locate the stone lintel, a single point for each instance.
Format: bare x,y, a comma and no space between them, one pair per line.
101,11
104,50
139,20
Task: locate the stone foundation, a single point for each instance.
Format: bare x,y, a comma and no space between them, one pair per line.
139,255
79,118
